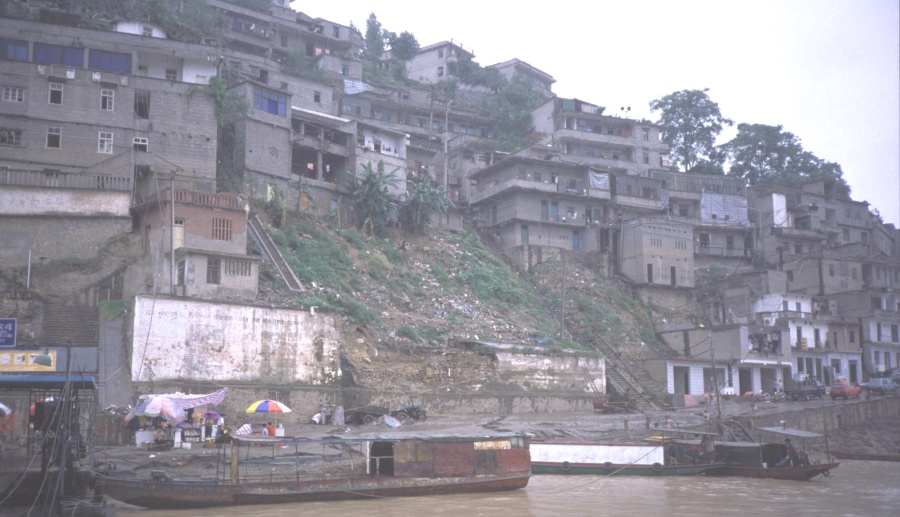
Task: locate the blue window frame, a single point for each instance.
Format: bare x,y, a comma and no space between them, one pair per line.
58,55
114,62
14,49
269,102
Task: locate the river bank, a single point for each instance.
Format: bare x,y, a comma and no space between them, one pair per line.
880,433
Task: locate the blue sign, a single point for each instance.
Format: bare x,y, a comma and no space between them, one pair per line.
7,332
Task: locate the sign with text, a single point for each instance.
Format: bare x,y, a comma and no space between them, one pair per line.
23,361
7,332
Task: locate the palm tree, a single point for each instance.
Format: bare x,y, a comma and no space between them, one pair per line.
422,199
373,203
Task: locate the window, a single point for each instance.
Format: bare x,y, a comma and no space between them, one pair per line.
851,336
58,55
317,97
237,268
645,131
10,137
54,137
213,271
284,40
105,143
269,102
536,176
345,70
114,62
798,248
336,32
180,274
141,144
729,242
646,158
56,93
790,276
106,99
440,71
545,211
221,229
13,94
440,52
171,74
142,104
14,49
146,31
521,173
846,234
524,234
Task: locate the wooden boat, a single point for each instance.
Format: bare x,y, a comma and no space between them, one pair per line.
867,456
772,460
608,459
257,470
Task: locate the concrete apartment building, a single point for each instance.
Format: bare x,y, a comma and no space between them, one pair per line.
581,133
436,61
537,206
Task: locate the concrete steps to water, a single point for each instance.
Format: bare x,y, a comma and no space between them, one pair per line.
272,254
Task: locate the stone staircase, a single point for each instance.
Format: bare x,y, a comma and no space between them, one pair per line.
271,253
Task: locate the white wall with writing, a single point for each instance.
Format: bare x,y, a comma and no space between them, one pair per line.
179,339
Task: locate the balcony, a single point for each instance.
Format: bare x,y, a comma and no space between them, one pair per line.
47,179
319,144
512,184
599,138
720,251
638,202
798,233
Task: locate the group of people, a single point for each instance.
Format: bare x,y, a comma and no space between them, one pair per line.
267,430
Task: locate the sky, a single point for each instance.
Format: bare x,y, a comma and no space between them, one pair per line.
828,71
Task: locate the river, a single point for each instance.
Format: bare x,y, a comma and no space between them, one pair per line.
856,488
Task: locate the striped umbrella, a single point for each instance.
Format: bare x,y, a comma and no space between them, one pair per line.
268,406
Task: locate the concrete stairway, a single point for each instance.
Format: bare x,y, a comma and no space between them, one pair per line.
272,254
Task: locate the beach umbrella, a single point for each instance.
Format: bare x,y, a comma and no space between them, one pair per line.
268,406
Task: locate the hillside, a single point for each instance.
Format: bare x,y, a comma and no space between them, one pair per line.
405,297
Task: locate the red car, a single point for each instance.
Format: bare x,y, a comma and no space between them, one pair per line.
844,389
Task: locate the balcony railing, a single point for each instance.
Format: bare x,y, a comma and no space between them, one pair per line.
64,180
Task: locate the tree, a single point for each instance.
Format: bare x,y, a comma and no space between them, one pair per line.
422,199
404,46
370,194
374,42
761,153
511,112
690,122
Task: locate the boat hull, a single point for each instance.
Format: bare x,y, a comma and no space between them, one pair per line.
595,469
185,494
803,473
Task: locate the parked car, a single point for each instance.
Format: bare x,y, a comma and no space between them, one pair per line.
844,389
805,389
882,385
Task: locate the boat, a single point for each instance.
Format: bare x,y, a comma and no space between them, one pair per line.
614,459
260,470
773,460
866,456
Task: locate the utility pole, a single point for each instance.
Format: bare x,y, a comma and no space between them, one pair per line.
172,236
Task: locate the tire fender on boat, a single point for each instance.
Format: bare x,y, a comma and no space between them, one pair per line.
657,467
607,466
565,466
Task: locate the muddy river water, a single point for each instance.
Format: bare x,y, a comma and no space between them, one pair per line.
856,488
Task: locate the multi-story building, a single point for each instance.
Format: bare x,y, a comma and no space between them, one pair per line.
108,103
582,133
437,61
532,206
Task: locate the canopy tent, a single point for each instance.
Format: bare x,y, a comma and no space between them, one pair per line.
171,406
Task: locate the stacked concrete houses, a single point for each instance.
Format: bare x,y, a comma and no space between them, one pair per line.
112,136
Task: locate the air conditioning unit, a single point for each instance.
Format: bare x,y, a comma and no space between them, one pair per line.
123,80
767,322
70,73
96,77
42,69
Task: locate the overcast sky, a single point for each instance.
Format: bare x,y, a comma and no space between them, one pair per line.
826,70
